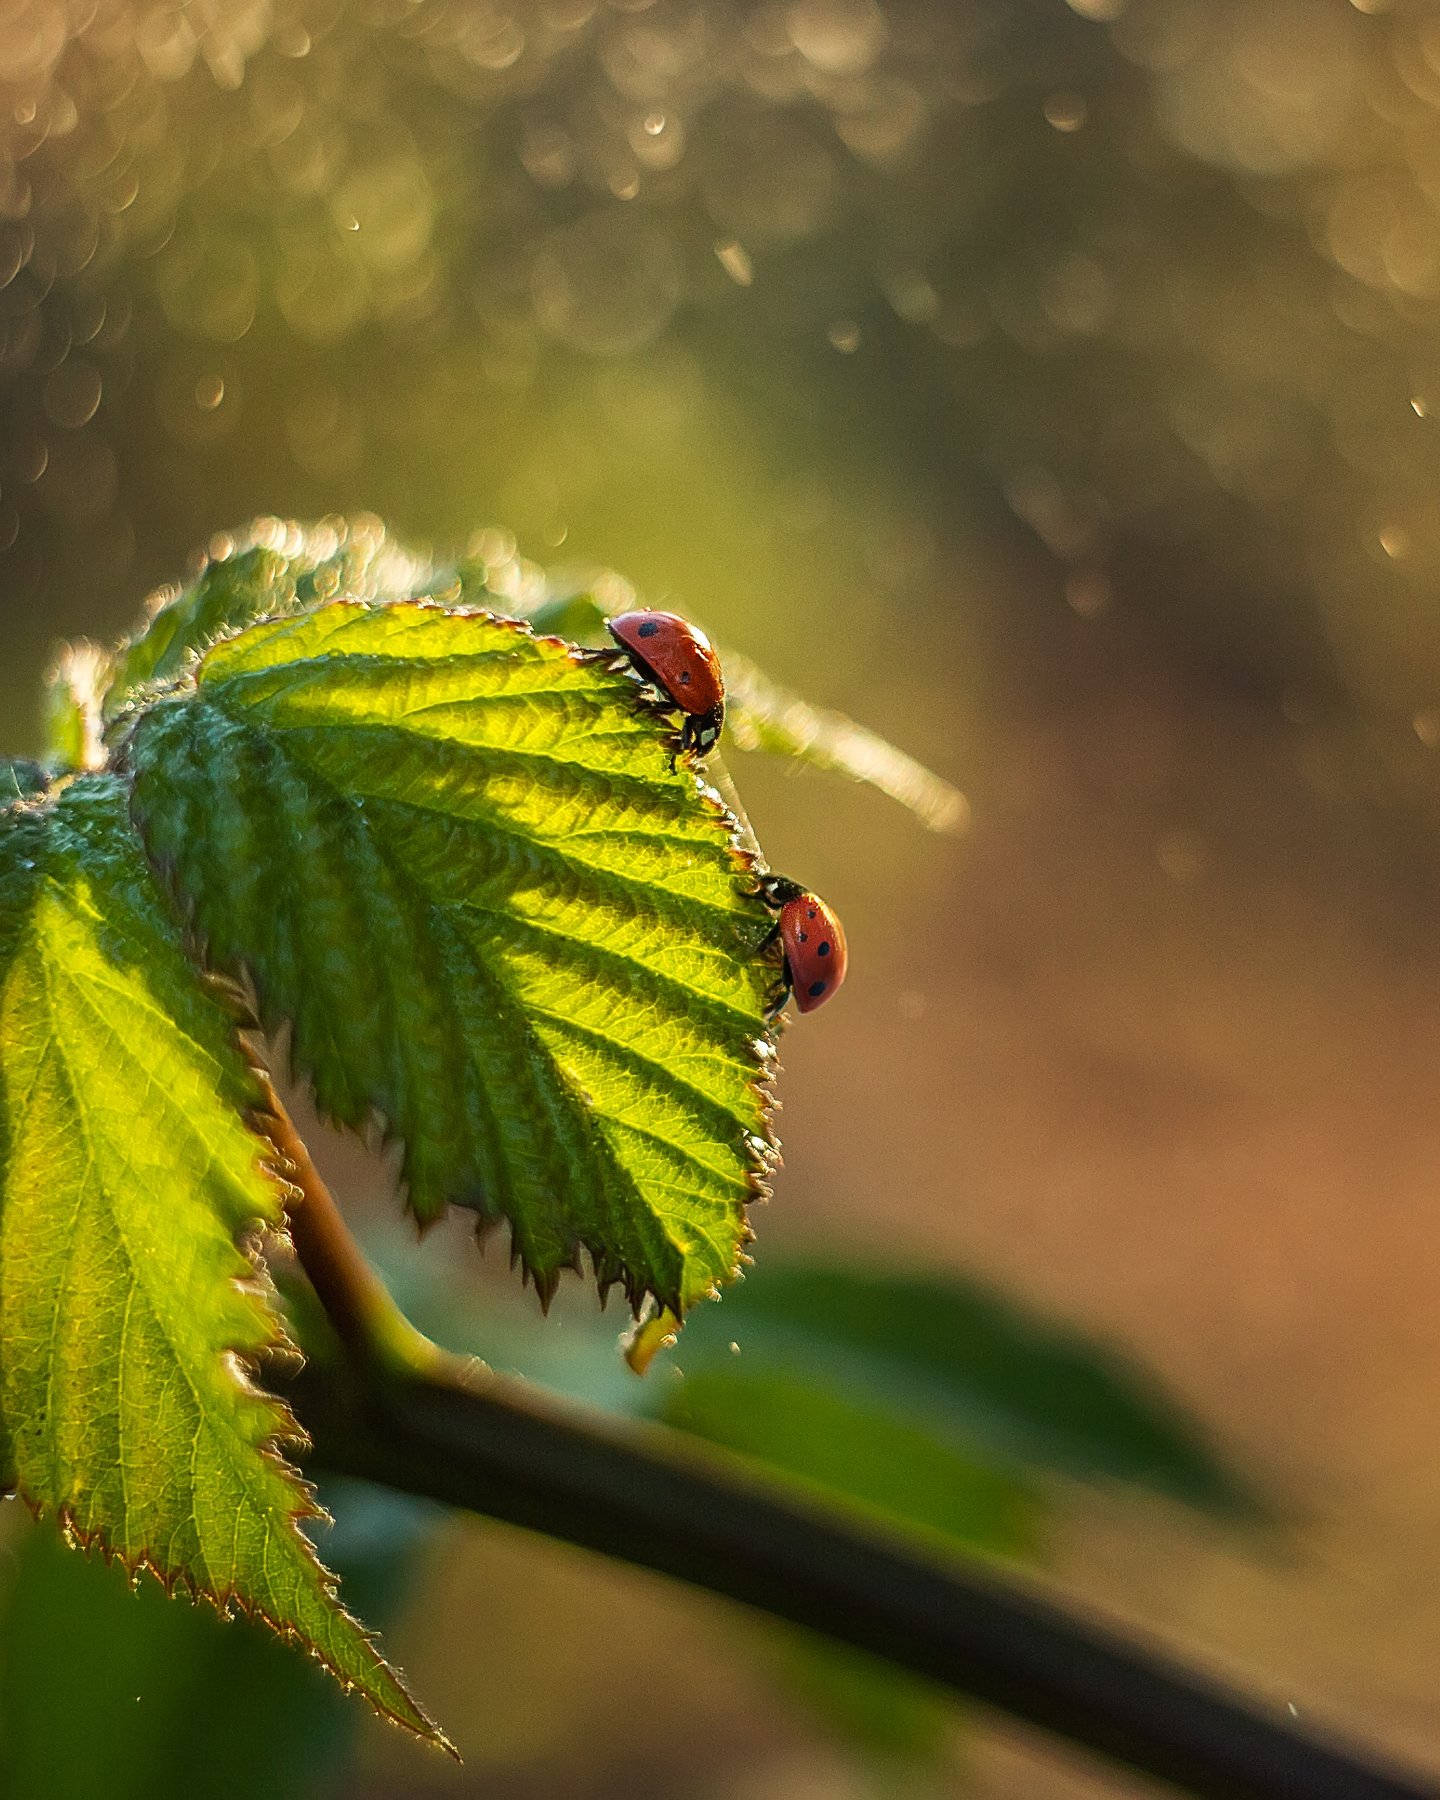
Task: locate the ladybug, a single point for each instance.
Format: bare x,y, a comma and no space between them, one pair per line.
678,657
813,940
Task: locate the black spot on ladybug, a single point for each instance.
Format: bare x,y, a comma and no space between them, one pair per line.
816,989
822,949
648,629
684,678
803,936
811,913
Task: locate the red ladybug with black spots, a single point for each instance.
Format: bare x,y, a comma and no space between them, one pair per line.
679,659
813,940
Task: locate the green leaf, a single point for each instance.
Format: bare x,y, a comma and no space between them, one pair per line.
967,1366
831,1441
269,569
893,1719
128,1316
459,858
273,568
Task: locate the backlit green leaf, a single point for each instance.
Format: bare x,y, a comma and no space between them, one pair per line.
128,1315
461,860
765,716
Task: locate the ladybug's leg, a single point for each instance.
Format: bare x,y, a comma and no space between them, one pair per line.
777,1005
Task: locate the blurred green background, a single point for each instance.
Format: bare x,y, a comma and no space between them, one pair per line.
1057,389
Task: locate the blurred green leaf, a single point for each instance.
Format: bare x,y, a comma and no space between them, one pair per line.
859,1452
974,1369
762,715
460,859
898,1722
127,1313
154,1700
228,594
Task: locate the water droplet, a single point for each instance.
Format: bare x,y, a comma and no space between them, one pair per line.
654,123
209,392
1395,542
1427,727
844,336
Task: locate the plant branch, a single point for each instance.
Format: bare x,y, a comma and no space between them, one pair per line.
357,1302
651,1498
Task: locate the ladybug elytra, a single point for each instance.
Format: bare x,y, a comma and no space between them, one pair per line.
813,940
678,658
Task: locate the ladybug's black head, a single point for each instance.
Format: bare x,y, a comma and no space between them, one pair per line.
778,889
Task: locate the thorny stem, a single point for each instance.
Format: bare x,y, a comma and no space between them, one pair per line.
494,1445
374,1331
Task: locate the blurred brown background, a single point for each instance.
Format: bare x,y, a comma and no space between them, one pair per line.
1057,389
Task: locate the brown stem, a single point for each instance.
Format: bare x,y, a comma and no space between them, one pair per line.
358,1304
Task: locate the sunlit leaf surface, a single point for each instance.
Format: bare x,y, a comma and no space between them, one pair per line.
127,1313
272,567
459,858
